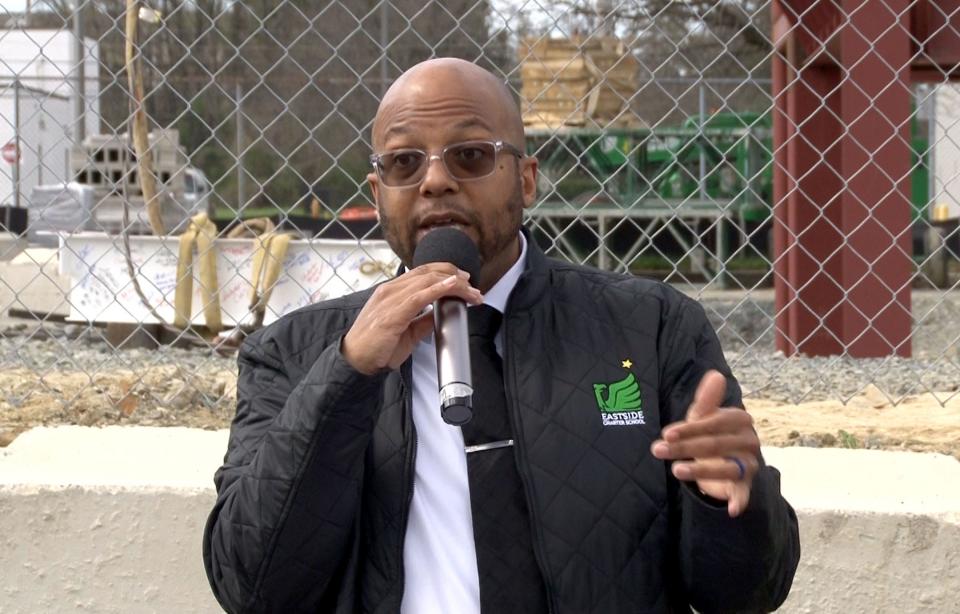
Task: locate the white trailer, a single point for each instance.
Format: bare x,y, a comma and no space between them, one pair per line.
40,91
945,199
39,118
47,61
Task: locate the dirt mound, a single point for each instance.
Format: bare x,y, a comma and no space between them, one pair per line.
870,420
167,395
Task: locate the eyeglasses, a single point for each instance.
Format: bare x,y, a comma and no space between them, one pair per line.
466,161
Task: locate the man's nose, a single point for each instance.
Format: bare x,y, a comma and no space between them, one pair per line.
436,179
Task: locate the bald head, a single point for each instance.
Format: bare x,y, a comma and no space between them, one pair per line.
428,81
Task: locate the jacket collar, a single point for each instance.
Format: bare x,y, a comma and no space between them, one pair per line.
534,281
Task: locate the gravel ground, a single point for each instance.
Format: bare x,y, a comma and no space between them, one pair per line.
67,373
745,327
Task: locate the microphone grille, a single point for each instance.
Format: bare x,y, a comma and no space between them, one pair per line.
449,245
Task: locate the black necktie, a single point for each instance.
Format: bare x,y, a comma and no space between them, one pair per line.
510,580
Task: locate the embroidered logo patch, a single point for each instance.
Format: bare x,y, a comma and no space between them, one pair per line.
619,402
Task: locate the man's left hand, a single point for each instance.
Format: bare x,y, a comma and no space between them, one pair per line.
721,442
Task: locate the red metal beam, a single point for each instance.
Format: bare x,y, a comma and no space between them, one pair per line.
814,21
842,212
875,266
936,27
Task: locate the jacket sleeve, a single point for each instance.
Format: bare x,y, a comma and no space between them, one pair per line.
289,489
742,564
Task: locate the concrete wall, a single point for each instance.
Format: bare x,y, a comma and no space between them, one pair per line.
880,531
109,520
103,550
32,282
106,520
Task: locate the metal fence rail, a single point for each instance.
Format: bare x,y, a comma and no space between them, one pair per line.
795,165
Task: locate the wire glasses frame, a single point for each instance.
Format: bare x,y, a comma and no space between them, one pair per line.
466,161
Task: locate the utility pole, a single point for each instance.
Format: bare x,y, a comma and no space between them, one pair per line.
384,34
241,198
16,141
702,193
79,116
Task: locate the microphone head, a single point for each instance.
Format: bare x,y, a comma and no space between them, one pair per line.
449,245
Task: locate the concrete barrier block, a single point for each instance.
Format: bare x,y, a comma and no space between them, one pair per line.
866,563
110,520
879,530
106,519
100,549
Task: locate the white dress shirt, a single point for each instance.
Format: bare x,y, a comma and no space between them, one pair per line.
439,555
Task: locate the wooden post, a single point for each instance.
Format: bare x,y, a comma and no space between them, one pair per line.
139,127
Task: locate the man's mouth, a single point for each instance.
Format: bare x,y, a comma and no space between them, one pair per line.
432,222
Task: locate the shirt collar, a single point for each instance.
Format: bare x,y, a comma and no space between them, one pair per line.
497,296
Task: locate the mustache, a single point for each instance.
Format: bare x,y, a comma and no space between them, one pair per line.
456,210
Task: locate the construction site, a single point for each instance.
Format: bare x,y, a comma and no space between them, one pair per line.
793,166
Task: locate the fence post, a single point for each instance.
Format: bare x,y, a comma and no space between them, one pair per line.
78,96
16,141
239,137
384,36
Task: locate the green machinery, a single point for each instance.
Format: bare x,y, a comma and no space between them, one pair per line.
670,178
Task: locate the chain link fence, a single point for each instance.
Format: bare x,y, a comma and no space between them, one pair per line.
671,137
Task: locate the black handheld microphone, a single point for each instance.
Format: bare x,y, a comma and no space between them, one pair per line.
451,336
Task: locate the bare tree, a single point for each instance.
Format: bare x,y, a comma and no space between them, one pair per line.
308,71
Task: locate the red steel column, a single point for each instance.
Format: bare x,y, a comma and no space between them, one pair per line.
782,76
876,264
813,153
842,211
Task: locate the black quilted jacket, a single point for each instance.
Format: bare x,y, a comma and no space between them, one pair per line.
316,484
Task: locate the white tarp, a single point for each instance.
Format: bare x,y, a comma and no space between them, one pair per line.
57,208
314,270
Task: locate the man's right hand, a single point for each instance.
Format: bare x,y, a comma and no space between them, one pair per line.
392,321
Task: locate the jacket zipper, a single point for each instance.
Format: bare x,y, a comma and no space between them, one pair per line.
520,453
411,466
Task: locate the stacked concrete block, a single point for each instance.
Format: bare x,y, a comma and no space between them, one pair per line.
108,164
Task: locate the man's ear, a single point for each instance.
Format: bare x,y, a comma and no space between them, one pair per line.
528,178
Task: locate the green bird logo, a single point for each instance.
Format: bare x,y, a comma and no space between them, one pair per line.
619,396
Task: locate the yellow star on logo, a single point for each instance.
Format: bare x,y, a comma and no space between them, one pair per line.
626,364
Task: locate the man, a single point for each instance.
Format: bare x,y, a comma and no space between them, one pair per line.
619,480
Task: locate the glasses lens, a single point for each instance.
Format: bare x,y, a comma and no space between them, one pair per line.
400,168
471,160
